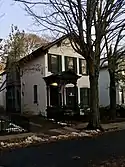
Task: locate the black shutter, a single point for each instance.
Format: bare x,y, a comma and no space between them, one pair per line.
81,97
87,70
66,68
49,63
59,63
80,67
88,96
75,64
35,94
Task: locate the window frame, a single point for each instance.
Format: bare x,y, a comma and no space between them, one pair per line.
80,67
59,63
74,63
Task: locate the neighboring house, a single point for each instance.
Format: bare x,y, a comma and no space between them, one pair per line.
104,86
2,85
55,75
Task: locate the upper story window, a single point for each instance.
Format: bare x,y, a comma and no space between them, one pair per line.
71,63
54,63
83,67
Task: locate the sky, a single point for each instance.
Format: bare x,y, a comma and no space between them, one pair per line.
16,15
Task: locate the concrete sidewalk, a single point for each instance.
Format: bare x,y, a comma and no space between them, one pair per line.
118,125
63,130
15,136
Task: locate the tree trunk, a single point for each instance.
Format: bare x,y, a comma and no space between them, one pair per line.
112,95
94,121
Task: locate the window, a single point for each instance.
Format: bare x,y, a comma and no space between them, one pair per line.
70,64
82,67
54,63
84,97
35,94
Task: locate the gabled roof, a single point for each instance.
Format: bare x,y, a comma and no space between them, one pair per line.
40,50
43,49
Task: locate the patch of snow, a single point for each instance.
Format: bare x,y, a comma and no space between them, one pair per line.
82,134
51,119
62,136
98,130
62,123
33,138
74,133
2,143
53,137
92,131
14,128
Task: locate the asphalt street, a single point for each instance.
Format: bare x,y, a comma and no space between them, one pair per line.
76,153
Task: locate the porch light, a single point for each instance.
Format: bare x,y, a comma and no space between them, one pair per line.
69,85
54,84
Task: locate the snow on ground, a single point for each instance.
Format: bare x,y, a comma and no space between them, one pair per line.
11,127
14,128
59,122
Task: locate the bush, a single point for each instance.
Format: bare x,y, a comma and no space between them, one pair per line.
104,112
2,110
120,111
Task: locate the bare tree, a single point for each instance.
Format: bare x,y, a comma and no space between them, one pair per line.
86,22
115,56
18,45
33,42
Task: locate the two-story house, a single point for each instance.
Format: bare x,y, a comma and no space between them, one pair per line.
55,75
43,68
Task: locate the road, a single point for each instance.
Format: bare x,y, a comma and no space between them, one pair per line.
63,153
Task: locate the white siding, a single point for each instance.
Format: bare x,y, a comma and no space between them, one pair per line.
104,83
104,87
65,49
3,93
30,78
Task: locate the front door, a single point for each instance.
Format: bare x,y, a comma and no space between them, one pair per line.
71,100
55,96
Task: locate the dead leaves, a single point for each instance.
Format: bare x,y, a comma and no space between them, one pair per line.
24,142
113,162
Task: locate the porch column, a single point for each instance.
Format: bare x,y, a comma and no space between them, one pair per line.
47,89
75,96
122,96
63,95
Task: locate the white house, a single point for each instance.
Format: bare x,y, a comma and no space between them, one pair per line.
53,58
104,85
